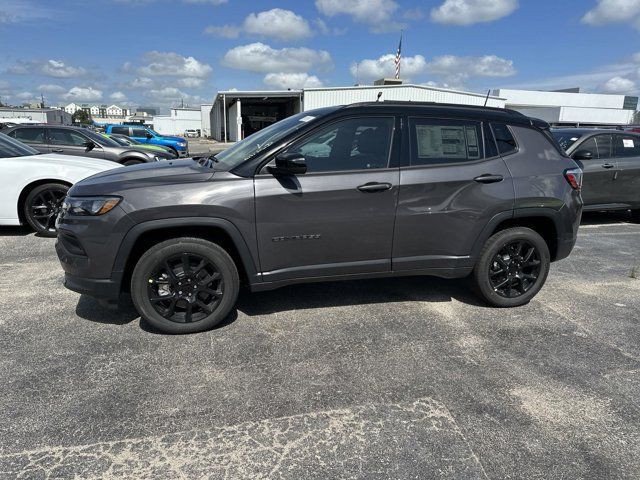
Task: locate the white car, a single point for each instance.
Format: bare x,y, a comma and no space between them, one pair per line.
191,133
33,184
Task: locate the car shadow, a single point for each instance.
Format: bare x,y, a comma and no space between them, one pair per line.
603,218
357,292
20,231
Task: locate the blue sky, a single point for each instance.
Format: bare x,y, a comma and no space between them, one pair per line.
158,52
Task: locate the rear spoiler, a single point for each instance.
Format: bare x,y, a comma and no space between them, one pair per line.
541,124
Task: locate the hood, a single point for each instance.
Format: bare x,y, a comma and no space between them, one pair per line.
175,139
142,176
73,161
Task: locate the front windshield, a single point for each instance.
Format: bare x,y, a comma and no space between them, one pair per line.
262,139
153,132
100,140
566,139
10,147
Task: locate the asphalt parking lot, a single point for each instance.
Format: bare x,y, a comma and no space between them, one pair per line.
404,378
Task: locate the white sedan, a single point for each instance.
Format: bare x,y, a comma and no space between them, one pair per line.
33,184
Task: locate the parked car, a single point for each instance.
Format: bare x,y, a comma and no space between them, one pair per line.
143,134
35,184
82,142
611,163
191,133
130,142
405,189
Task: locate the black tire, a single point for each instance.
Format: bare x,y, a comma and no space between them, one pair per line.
175,152
126,163
172,300
635,216
518,256
42,205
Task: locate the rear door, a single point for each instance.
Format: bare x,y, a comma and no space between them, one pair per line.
70,142
627,152
452,184
35,137
337,218
599,181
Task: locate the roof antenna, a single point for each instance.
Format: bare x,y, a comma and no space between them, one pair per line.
379,95
487,98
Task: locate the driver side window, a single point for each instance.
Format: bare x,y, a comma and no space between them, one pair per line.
352,144
59,136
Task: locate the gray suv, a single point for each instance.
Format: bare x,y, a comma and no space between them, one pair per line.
81,141
366,190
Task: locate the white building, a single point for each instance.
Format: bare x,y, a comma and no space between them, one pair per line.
205,110
235,114
572,107
72,108
178,121
52,116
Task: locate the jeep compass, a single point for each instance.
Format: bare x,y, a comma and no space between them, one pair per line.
366,190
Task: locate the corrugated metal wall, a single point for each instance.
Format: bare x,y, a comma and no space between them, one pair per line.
318,98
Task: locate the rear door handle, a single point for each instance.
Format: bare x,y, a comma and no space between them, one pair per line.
57,150
374,187
608,165
489,178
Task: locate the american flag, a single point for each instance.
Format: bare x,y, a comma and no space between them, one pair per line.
398,57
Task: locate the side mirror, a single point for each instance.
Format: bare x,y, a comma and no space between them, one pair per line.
582,155
292,163
90,145
149,136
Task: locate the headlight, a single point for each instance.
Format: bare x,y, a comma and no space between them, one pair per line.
182,144
92,206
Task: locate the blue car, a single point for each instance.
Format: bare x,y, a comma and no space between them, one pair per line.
146,135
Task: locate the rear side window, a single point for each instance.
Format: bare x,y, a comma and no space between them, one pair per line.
138,132
626,146
603,145
120,130
437,141
28,135
504,138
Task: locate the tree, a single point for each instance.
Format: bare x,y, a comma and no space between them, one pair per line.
81,116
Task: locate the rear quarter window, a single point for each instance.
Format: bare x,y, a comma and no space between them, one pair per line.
504,138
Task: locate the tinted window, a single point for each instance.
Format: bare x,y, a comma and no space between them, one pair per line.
566,139
506,143
437,141
490,148
120,130
627,146
603,144
61,136
353,144
589,145
138,132
29,135
13,148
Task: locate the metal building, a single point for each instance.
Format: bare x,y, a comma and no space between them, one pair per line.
178,120
52,116
237,114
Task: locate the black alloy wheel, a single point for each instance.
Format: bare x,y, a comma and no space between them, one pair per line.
185,288
42,206
515,269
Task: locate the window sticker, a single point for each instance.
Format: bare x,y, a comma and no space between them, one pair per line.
308,118
628,143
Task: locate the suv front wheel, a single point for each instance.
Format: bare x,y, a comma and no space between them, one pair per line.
512,267
184,285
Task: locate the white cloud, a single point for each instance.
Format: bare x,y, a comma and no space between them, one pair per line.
285,81
172,96
50,88
190,82
59,69
83,94
24,96
118,97
372,69
613,11
141,83
258,57
619,85
223,31
277,23
485,66
378,14
22,11
468,12
172,64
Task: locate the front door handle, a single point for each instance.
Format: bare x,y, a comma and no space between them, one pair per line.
374,187
608,165
488,178
57,150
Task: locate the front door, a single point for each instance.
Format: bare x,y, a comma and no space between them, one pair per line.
338,217
627,153
70,142
599,186
453,184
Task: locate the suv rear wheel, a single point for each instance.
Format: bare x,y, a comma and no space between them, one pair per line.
184,285
512,267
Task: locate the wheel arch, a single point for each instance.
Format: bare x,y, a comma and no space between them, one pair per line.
220,231
30,186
